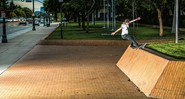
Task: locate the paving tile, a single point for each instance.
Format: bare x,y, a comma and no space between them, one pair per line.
68,72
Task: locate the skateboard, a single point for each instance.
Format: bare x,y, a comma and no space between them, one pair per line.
142,45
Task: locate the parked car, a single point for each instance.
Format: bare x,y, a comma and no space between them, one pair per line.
64,20
9,20
37,22
15,19
23,21
41,20
29,20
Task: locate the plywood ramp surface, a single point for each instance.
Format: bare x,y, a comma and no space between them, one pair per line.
171,84
152,74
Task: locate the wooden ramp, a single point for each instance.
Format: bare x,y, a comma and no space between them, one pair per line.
153,75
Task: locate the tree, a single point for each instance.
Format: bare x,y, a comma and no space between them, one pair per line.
1,5
124,8
19,12
159,6
80,9
52,6
84,8
12,14
28,12
12,6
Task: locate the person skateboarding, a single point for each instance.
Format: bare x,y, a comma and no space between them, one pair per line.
124,27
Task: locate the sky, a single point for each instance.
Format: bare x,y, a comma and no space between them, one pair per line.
29,4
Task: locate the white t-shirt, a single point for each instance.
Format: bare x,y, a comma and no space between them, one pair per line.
124,29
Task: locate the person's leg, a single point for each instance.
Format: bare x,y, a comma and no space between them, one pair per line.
132,40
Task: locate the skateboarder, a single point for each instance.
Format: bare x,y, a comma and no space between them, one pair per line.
124,27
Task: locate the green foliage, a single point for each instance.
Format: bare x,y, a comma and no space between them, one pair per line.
13,10
12,14
52,6
19,12
28,12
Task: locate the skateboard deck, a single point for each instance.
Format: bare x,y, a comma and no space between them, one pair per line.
142,45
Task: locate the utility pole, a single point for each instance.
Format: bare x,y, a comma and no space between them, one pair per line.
4,38
60,1
133,11
174,19
108,26
113,15
33,15
177,20
104,13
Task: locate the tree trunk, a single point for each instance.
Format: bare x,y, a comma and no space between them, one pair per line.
160,22
83,21
56,18
87,27
79,20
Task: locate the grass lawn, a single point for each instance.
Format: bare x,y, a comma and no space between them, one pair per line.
176,50
73,32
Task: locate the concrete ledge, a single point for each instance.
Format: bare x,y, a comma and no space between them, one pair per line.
85,42
153,75
94,42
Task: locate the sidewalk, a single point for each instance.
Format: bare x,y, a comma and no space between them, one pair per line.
64,72
18,46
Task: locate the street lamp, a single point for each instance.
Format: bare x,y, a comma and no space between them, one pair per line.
60,1
4,38
113,15
104,13
177,20
33,15
133,11
108,16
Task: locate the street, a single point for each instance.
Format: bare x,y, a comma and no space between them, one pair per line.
12,27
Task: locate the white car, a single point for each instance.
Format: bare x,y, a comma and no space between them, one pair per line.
37,23
15,20
23,21
9,20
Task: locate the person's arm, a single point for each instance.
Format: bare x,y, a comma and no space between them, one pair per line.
116,31
134,20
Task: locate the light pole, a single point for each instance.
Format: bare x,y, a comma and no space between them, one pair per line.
104,13
60,1
108,26
113,15
177,20
33,15
133,11
4,38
